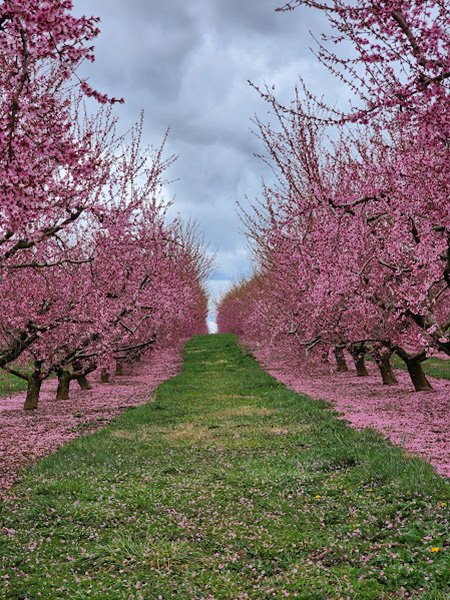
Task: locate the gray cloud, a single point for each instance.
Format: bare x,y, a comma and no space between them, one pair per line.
187,64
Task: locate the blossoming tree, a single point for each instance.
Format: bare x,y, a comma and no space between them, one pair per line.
90,270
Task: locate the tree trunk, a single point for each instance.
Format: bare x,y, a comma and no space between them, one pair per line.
82,371
33,389
119,368
384,364
358,352
83,382
340,360
64,377
418,377
361,369
104,376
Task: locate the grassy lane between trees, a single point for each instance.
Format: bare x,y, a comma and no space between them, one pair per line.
227,486
10,384
434,367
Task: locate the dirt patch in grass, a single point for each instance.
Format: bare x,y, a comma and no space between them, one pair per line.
215,362
231,396
287,430
244,411
188,432
123,434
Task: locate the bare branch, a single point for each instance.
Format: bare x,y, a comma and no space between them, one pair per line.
49,265
47,232
137,346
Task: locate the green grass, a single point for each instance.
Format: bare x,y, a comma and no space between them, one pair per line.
434,367
227,486
11,383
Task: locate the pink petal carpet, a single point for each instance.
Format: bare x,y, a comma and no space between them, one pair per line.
417,421
28,435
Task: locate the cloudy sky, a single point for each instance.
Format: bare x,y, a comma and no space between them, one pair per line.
187,64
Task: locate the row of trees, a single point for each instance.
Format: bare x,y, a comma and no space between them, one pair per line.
92,273
352,242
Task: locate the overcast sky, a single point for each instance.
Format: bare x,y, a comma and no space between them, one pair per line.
187,65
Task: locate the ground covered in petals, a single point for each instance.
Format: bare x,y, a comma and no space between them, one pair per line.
27,435
227,486
417,421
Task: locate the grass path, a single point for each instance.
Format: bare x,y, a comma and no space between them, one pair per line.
227,486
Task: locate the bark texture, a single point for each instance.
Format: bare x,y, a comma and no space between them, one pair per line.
83,382
64,377
119,368
387,374
340,360
104,376
33,390
418,377
358,352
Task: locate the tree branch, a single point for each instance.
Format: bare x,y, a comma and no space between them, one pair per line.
15,102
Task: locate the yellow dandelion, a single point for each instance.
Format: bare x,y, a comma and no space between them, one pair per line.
443,503
435,549
318,496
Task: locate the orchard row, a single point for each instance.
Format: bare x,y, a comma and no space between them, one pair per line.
92,272
352,242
